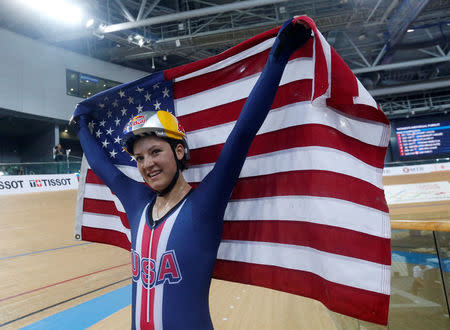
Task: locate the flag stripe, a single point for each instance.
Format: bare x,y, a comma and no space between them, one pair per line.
103,235
321,210
238,89
208,79
105,207
325,238
364,97
300,113
356,101
322,68
102,192
300,136
305,208
247,67
329,87
296,159
296,91
247,48
130,171
366,274
360,111
362,304
326,184
243,210
91,177
96,220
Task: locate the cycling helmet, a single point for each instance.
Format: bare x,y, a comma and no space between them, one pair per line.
160,123
164,125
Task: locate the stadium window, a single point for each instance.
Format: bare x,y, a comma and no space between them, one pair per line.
85,85
72,86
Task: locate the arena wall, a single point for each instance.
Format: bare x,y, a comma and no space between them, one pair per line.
33,77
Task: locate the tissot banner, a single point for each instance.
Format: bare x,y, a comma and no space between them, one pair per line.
23,184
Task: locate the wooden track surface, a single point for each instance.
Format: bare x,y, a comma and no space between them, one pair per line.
237,306
420,216
44,271
42,266
416,178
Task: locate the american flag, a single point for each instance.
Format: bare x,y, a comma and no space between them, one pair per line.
308,215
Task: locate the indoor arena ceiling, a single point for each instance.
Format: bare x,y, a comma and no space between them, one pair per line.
395,47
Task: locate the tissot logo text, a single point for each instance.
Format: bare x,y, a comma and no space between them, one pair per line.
11,184
49,182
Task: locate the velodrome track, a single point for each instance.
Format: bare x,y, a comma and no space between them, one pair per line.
432,215
48,280
45,272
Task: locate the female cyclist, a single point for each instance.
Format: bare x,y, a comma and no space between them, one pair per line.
176,230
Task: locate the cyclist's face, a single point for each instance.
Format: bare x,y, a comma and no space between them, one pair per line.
155,161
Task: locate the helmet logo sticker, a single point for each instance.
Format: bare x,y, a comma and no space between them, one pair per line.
181,129
138,120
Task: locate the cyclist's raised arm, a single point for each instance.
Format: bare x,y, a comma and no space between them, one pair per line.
222,179
126,189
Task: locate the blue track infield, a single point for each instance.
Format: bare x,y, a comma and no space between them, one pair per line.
88,313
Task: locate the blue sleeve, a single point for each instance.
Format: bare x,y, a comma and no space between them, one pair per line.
129,191
219,183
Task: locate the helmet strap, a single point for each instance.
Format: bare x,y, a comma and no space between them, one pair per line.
172,183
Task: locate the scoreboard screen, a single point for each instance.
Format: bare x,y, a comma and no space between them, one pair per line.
422,138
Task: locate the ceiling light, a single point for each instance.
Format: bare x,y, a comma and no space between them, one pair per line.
58,9
89,22
410,30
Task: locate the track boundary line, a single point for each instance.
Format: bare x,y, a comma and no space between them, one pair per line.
41,251
63,302
65,281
